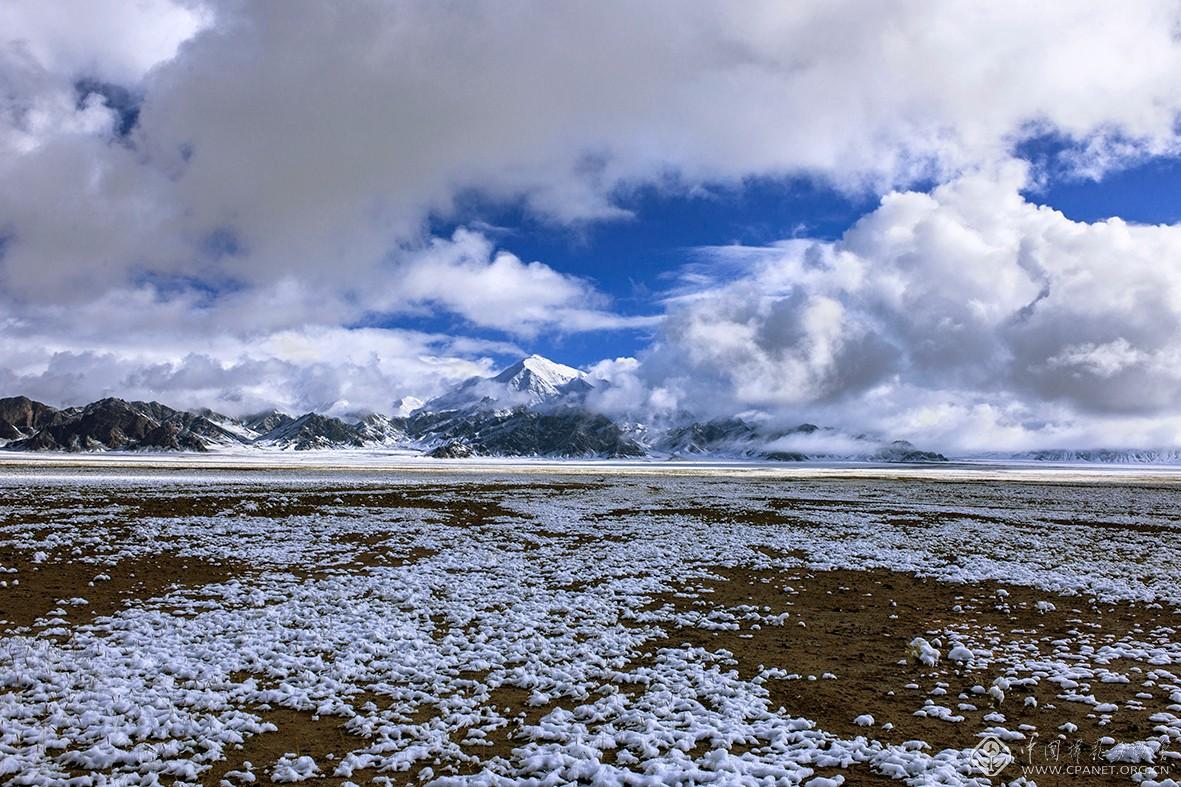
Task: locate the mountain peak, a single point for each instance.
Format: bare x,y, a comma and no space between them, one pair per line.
266,421
531,381
538,376
542,367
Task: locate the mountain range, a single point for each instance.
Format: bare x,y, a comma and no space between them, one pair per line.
535,407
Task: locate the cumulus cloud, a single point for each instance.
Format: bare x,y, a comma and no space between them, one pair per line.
315,137
492,288
108,39
966,315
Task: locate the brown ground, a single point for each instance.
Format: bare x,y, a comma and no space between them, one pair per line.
299,734
65,576
43,585
849,632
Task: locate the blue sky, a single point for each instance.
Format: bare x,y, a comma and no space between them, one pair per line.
1147,193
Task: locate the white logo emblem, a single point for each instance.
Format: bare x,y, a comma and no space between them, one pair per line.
991,756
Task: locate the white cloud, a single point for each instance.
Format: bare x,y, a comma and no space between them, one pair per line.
115,40
819,443
319,136
967,315
467,276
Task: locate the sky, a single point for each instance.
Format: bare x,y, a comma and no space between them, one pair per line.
949,222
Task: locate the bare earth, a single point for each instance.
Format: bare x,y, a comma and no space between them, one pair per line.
219,625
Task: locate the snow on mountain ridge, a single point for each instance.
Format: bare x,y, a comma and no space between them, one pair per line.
529,382
232,425
312,430
379,429
1116,456
405,406
116,424
539,376
266,421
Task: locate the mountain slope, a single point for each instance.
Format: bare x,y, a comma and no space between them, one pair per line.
532,408
531,382
266,421
563,432
731,436
114,424
381,430
231,425
21,417
1125,456
312,431
737,438
25,414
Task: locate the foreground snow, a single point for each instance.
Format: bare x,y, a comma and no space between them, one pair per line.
513,627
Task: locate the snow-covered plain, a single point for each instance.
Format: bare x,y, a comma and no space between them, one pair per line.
177,621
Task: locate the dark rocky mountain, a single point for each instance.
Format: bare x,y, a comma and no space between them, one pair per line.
721,435
117,425
266,421
378,429
9,432
566,432
452,450
21,416
904,451
313,431
114,424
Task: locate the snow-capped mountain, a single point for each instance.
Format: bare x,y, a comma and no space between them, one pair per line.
405,406
531,382
231,425
380,430
532,408
521,431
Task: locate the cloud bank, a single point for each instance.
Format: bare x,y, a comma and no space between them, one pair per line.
229,202
967,317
